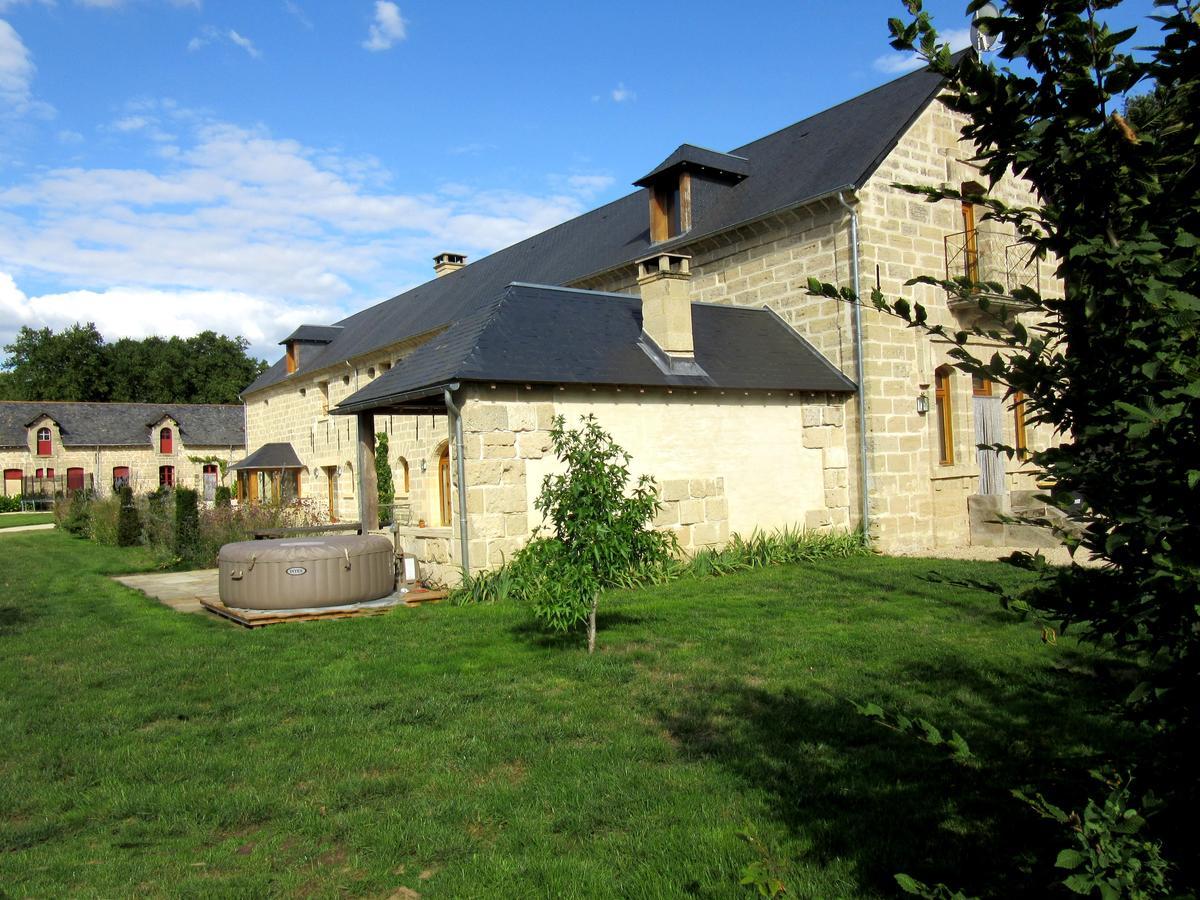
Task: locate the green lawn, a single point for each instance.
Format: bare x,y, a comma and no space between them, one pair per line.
12,520
457,753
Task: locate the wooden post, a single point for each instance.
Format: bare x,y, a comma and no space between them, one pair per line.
368,483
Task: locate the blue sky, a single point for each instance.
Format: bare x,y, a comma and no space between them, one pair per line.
245,165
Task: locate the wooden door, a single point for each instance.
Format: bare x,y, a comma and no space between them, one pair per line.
331,482
988,430
444,484
74,479
13,480
210,482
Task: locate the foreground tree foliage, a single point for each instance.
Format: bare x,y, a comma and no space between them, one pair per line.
77,364
1114,364
601,525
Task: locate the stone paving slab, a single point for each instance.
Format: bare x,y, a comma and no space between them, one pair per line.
182,591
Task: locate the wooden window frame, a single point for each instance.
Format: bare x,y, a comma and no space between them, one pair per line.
1020,435
45,445
445,488
166,441
670,208
981,387
166,476
292,357
116,478
943,378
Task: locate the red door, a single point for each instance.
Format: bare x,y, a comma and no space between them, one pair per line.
74,479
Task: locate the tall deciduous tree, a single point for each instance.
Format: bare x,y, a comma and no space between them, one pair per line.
1114,364
76,364
68,365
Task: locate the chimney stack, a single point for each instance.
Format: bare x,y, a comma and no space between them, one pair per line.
666,305
445,263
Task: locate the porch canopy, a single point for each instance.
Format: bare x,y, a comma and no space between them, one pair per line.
272,472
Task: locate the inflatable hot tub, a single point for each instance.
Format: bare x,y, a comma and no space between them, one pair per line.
307,572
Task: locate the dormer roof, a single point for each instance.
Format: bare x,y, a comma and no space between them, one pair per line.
690,158
314,334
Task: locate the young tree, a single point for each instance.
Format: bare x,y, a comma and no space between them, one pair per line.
1114,364
383,476
601,523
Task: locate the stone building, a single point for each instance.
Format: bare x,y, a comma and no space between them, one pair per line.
665,314
47,448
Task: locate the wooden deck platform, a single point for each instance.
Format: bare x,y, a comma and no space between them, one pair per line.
256,618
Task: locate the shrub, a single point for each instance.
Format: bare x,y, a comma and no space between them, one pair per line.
129,524
383,475
223,497
103,516
187,525
72,511
10,504
158,523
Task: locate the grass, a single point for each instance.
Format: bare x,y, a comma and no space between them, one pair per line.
457,752
13,520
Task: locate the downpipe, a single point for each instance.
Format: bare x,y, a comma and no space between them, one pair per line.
859,373
461,469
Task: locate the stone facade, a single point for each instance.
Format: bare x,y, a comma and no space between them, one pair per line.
915,503
715,456
98,463
724,463
297,412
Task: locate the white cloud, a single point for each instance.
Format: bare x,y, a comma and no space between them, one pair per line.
16,77
211,35
388,28
230,211
589,185
621,94
900,62
140,312
295,9
66,136
245,43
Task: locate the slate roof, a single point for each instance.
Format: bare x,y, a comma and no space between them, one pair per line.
833,150
123,424
541,334
271,456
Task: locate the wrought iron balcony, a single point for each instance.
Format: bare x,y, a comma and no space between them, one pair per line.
991,257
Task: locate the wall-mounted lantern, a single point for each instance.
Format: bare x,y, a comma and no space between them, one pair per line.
923,400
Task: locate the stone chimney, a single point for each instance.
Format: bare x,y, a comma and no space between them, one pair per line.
445,263
664,279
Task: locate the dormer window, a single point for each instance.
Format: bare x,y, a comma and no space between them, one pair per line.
166,441
673,183
44,446
315,335
670,207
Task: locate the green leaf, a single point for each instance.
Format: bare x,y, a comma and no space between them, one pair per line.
1079,884
909,885
1069,859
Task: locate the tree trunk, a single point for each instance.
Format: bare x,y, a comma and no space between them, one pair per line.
592,625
